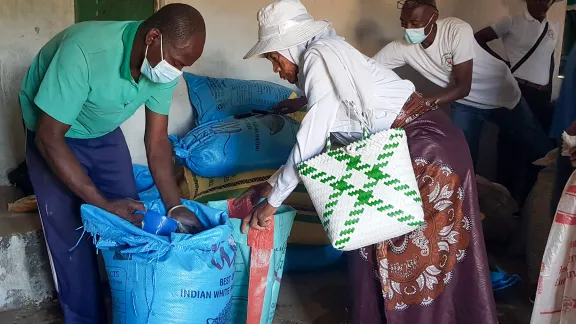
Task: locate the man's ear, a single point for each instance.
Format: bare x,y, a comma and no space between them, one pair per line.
435,16
152,34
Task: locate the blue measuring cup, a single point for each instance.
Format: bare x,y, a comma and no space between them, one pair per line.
156,223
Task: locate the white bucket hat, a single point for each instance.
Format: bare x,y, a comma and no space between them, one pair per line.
282,25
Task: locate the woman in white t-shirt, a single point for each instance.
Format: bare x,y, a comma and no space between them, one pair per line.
415,271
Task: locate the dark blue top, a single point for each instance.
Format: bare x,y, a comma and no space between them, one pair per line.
565,113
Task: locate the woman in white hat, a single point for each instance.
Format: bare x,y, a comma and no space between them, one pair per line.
431,274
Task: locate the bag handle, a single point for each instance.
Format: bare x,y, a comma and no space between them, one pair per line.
532,50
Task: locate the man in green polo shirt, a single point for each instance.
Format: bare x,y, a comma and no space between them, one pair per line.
82,85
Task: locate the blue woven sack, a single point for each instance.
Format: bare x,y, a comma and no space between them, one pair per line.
147,190
283,220
216,99
221,149
166,280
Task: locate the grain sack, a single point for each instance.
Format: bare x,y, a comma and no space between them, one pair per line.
556,294
307,228
259,264
181,279
220,149
211,189
217,99
537,221
499,208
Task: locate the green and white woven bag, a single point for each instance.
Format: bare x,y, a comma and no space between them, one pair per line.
366,192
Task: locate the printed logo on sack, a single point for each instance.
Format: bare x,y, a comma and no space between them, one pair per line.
568,304
221,259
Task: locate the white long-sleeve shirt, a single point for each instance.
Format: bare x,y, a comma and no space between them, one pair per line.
328,116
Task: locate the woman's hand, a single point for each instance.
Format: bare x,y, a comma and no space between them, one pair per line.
289,106
260,217
255,193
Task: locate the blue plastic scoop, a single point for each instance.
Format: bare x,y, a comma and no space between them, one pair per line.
156,223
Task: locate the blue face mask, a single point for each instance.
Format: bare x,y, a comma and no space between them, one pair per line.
417,35
163,72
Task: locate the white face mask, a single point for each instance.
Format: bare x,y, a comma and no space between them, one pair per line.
163,72
417,35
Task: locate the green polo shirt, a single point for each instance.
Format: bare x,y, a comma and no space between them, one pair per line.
82,78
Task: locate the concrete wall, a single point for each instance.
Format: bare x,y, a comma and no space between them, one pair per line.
26,26
232,30
367,24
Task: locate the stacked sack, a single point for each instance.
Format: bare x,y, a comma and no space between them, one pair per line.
230,150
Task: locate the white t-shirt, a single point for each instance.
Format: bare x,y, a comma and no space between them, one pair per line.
519,33
493,85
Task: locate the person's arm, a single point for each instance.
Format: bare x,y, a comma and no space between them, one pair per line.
60,97
310,139
51,144
462,47
459,87
391,55
485,36
289,106
159,154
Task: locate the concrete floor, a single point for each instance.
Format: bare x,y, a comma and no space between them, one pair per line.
304,299
318,298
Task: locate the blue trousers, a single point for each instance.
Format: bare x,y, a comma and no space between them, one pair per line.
107,162
519,123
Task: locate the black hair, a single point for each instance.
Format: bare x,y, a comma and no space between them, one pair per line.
177,22
411,4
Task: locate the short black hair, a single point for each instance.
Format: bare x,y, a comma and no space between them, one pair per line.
410,4
177,22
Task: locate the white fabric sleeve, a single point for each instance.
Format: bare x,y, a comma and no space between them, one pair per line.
274,178
503,27
391,56
315,128
463,44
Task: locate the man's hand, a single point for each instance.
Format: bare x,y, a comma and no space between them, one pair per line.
260,217
573,157
125,208
459,87
255,193
289,106
189,221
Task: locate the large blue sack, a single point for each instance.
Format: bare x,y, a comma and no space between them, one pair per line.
154,279
283,220
216,99
221,149
143,177
147,190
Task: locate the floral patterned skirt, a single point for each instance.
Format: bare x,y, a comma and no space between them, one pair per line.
439,273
